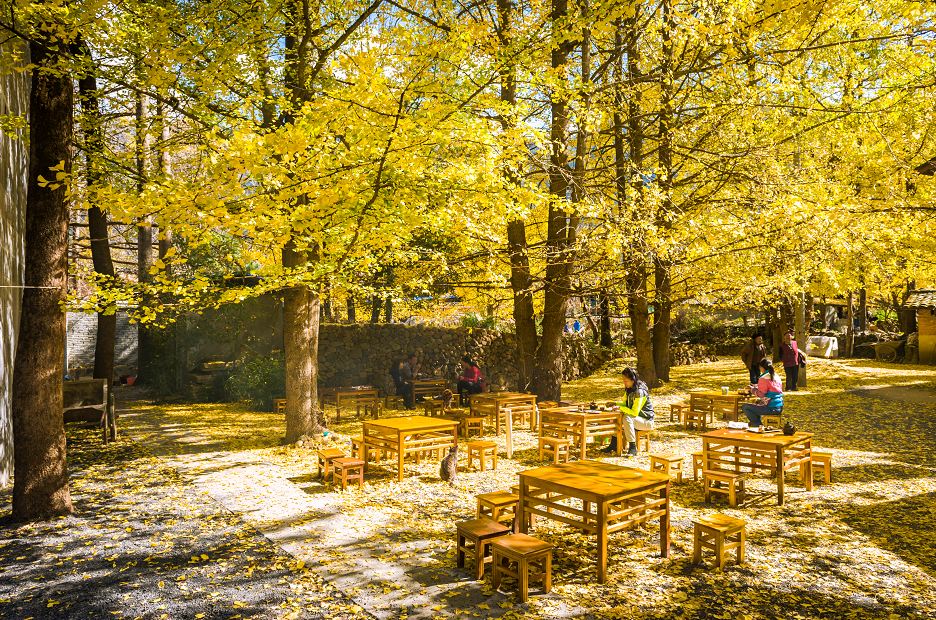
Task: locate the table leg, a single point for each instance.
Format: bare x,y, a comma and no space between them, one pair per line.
781,474
401,452
619,433
497,420
602,510
809,470
583,438
705,450
521,507
665,523
508,419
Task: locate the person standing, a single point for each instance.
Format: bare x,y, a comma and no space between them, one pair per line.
752,353
637,410
790,354
770,391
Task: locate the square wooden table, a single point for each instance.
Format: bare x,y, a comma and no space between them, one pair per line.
729,405
614,498
407,435
348,397
429,387
735,448
578,426
497,404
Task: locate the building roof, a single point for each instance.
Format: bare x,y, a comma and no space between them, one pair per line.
923,298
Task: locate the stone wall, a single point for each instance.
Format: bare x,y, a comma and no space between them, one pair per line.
14,101
361,354
82,335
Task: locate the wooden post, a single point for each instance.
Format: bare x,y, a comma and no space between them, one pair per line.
850,330
801,335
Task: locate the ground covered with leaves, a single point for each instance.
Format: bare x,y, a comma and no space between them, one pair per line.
861,547
144,543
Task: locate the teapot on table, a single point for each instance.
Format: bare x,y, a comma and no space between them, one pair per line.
789,429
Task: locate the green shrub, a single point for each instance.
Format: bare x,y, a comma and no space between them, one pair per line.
257,381
473,320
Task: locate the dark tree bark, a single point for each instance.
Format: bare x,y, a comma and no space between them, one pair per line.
388,301
662,303
604,305
850,333
640,325
560,228
352,311
521,282
863,309
40,474
144,244
97,218
375,309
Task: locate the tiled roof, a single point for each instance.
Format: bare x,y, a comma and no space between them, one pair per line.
921,299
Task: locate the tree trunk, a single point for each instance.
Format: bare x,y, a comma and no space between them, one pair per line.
604,305
908,320
777,327
300,344
822,314
640,324
97,218
40,474
144,246
863,309
560,227
521,283
375,309
662,302
810,309
352,311
850,333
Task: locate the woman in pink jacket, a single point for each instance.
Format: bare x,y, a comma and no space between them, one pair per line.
770,390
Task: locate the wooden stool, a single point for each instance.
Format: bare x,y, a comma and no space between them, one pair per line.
734,481
500,506
824,460
696,418
349,470
524,551
394,402
771,420
480,533
697,464
667,463
644,436
677,410
325,458
432,407
484,451
279,405
375,408
472,423
721,534
357,449
558,448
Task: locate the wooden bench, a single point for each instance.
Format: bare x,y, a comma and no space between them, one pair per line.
666,464
484,451
719,533
475,537
558,449
348,470
279,405
644,437
697,464
527,554
91,402
769,419
392,401
472,424
697,418
733,481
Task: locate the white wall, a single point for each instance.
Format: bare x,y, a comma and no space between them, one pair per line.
14,100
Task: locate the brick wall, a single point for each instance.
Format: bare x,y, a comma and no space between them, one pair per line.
926,327
82,333
14,100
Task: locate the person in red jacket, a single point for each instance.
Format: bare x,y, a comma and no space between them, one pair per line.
790,354
471,380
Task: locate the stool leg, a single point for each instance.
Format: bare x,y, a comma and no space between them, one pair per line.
547,577
479,560
494,460
741,537
496,578
696,545
524,570
460,556
478,513
708,489
719,549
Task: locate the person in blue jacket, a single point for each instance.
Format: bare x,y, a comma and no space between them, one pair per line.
637,410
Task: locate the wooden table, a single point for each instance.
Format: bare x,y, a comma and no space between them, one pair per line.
614,498
729,405
497,404
734,449
429,387
407,435
346,396
578,426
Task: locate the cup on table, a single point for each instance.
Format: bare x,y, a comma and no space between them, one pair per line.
724,390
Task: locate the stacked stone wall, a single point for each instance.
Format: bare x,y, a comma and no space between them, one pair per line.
82,336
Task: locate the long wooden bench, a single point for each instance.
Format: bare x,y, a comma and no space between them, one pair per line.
92,402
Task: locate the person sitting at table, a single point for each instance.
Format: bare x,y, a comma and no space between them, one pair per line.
470,381
637,410
770,391
395,384
410,371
